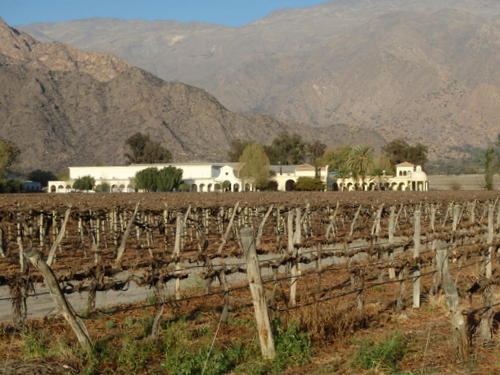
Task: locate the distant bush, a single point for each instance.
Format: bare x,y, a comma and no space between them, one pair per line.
103,188
10,185
455,186
84,183
309,184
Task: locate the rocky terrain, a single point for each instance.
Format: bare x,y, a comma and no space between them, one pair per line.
426,70
65,107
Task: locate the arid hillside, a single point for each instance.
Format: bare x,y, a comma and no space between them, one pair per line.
65,107
425,70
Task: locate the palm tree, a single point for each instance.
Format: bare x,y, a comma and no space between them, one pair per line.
359,162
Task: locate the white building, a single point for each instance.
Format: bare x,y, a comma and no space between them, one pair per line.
408,177
202,177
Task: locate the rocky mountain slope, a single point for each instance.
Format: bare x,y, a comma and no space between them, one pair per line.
65,107
426,70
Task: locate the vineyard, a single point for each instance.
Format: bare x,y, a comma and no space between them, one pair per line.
327,263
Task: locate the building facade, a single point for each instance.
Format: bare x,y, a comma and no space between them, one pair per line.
200,177
408,177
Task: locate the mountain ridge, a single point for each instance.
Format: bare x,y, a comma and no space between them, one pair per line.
66,107
424,70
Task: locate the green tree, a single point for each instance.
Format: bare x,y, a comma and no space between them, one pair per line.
255,165
489,167
10,185
147,179
360,161
399,151
9,153
144,150
309,184
41,176
336,159
169,178
84,183
287,149
315,152
236,148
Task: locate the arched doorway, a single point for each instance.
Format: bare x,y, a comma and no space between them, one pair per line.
290,185
202,187
272,185
194,188
236,187
209,187
53,189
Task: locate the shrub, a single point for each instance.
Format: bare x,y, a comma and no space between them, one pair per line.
84,183
103,188
309,184
10,185
184,187
385,354
292,347
35,343
147,179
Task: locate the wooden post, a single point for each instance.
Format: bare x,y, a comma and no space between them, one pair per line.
488,258
67,311
416,257
258,297
262,224
458,322
353,224
121,249
179,223
392,227
292,251
60,235
228,229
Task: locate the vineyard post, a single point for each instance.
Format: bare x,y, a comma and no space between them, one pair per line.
458,322
392,217
262,224
228,229
67,310
179,223
60,235
123,243
258,297
416,258
292,252
2,252
489,256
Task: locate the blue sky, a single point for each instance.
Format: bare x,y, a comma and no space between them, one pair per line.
227,12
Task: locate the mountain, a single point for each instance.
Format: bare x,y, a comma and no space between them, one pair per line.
425,70
65,107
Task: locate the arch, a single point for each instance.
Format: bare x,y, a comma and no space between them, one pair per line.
349,186
209,187
289,185
217,187
226,186
236,187
247,187
335,186
114,188
53,189
121,188
194,188
272,185
371,186
413,186
60,187
202,188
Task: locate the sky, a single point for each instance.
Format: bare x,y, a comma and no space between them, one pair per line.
226,12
